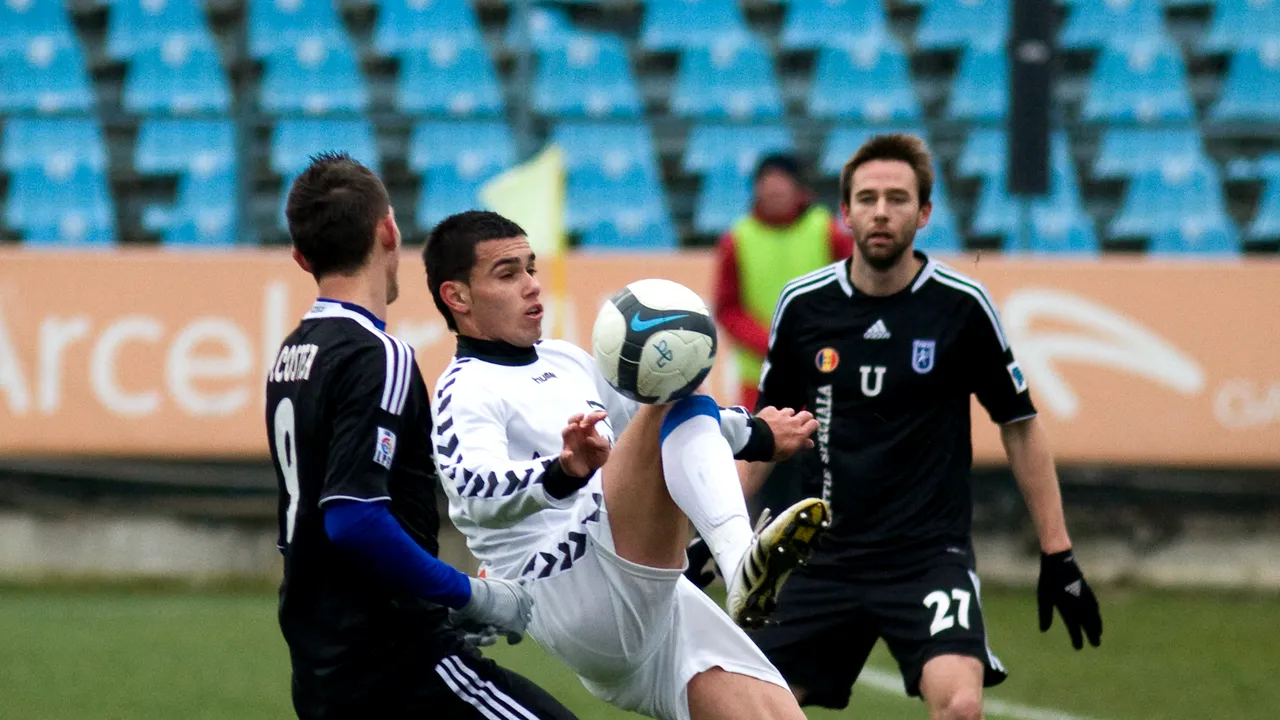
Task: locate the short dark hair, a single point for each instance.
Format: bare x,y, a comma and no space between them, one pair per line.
450,253
893,146
334,208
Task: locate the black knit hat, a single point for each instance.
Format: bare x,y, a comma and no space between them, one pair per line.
781,162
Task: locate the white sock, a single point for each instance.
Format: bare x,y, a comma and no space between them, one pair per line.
703,480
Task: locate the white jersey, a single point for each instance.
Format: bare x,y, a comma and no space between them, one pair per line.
498,413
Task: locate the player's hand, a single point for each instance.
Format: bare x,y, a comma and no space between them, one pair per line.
585,451
699,554
1062,586
504,605
792,431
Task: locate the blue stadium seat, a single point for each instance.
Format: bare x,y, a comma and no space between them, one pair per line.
596,193
812,24
942,234
1249,91
176,79
1161,200
46,79
276,24
479,146
1140,82
1094,23
134,25
630,232
1265,226
871,84
168,146
725,197
60,145
549,28
459,82
67,208
615,147
729,81
681,24
844,141
985,154
954,24
587,76
205,213
1124,152
34,22
1193,238
1058,223
980,92
414,24
739,147
314,78
448,189
1243,24
295,141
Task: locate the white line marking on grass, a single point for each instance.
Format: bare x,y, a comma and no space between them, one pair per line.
892,682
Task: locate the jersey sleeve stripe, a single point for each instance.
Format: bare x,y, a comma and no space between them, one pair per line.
965,285
403,375
794,290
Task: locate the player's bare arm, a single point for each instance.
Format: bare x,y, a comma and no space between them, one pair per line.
1030,458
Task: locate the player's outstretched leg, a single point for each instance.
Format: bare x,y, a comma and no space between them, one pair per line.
778,548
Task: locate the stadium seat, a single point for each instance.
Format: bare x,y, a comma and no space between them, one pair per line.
58,145
47,78
69,207
615,147
985,155
1265,226
942,234
473,147
414,24
205,212
276,24
314,78
1157,200
980,92
587,76
843,24
596,193
31,22
955,24
682,24
1140,82
167,146
1094,23
871,84
295,141
725,196
1243,24
449,189
728,81
459,82
176,79
1249,91
631,232
1057,223
1195,239
1124,152
844,141
549,28
134,25
739,147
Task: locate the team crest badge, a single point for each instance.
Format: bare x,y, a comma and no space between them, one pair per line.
827,359
922,353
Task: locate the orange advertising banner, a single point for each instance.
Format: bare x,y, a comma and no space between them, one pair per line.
164,354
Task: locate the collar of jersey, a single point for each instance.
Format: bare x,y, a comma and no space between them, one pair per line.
923,274
378,322
496,351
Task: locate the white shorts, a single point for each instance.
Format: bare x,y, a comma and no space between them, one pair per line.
635,635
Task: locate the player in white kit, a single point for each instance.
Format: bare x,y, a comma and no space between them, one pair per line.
556,479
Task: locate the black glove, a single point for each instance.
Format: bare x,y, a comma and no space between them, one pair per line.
699,555
1063,586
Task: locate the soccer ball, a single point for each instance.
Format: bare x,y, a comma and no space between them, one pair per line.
654,341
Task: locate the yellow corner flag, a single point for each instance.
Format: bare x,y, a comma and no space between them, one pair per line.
532,195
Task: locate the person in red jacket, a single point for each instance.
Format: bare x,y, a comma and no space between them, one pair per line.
786,234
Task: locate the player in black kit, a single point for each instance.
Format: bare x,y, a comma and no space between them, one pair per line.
885,349
365,605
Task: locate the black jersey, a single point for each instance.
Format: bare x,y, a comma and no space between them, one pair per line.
889,380
348,418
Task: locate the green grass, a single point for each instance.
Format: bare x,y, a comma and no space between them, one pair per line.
166,653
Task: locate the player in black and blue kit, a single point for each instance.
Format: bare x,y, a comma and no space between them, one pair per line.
369,613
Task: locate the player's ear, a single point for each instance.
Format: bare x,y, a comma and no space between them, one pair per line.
302,261
845,216
456,296
390,233
925,210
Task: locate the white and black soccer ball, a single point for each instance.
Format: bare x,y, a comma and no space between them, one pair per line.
654,341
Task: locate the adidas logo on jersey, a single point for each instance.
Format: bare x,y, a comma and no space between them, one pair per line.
876,332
